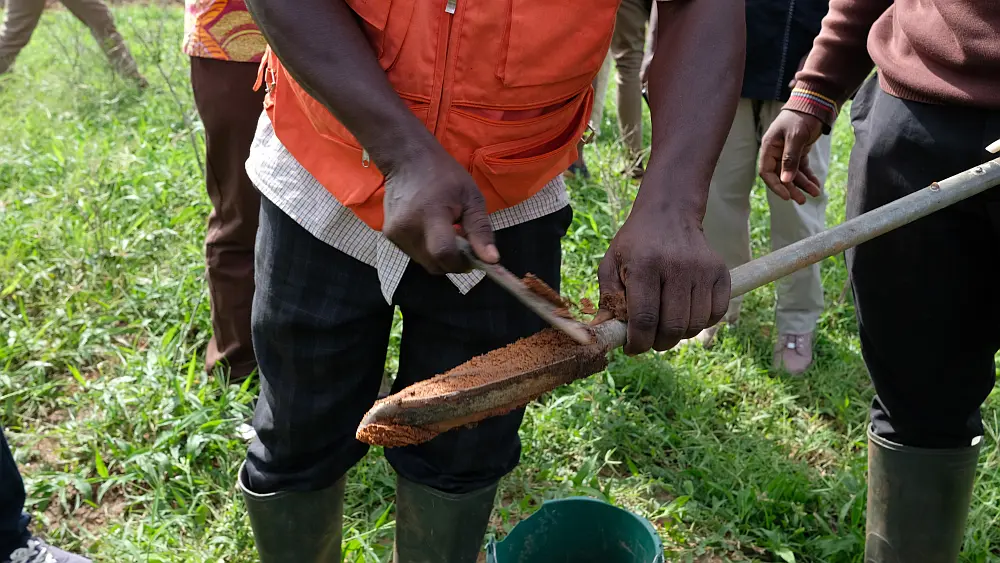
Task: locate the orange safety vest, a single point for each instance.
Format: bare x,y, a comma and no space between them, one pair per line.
504,86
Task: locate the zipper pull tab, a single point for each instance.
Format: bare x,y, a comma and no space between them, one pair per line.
366,161
451,7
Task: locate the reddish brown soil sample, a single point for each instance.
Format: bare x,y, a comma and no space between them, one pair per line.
542,289
615,304
587,307
393,435
492,384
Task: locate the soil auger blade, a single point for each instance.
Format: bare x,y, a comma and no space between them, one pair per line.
486,386
460,406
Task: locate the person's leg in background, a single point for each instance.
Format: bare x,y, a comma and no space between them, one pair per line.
600,85
628,48
19,22
927,308
16,543
229,108
727,216
799,295
321,332
600,94
96,15
13,520
446,487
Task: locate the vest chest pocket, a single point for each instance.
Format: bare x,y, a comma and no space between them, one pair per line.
385,22
551,41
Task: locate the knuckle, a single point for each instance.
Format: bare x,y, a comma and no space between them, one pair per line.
393,231
673,327
644,321
479,222
720,272
442,252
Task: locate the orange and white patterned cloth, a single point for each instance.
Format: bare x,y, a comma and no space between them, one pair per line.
221,29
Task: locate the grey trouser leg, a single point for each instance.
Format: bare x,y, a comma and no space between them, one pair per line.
727,220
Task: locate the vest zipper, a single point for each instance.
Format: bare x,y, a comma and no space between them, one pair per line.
785,38
442,99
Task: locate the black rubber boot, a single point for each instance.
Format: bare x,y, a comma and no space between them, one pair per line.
300,527
437,527
918,500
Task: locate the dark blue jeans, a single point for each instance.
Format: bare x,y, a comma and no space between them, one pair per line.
321,331
13,520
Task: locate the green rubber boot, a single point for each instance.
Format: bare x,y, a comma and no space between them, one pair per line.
437,527
299,527
918,500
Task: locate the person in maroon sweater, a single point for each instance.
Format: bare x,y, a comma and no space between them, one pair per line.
929,113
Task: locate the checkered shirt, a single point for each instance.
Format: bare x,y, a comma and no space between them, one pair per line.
282,180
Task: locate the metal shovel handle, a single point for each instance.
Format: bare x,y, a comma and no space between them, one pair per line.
848,234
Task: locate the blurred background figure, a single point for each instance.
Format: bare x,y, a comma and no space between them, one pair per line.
226,47
17,545
21,19
627,48
779,35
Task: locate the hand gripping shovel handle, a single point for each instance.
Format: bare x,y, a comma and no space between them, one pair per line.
808,251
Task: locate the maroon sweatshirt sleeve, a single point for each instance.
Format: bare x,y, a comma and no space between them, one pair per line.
838,62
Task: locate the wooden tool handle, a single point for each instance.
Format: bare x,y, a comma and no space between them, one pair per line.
848,234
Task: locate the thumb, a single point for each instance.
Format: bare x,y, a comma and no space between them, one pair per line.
791,156
478,230
612,289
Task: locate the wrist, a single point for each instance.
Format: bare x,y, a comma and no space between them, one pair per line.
668,210
401,148
671,194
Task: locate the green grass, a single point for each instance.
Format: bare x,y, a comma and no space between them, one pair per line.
129,450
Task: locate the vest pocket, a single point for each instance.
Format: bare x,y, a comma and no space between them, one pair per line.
551,41
510,172
385,22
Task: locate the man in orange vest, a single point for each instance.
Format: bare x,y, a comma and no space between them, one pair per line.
390,125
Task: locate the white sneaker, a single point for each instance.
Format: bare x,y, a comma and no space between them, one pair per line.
706,337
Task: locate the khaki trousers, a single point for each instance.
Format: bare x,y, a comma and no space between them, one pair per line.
22,17
627,48
727,220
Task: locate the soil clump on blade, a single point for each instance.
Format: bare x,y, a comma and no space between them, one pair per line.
615,304
542,289
549,358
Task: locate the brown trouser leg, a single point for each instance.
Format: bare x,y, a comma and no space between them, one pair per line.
97,16
229,108
19,23
22,17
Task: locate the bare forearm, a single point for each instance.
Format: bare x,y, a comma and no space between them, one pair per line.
322,46
694,85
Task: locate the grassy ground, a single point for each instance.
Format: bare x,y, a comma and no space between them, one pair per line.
129,450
